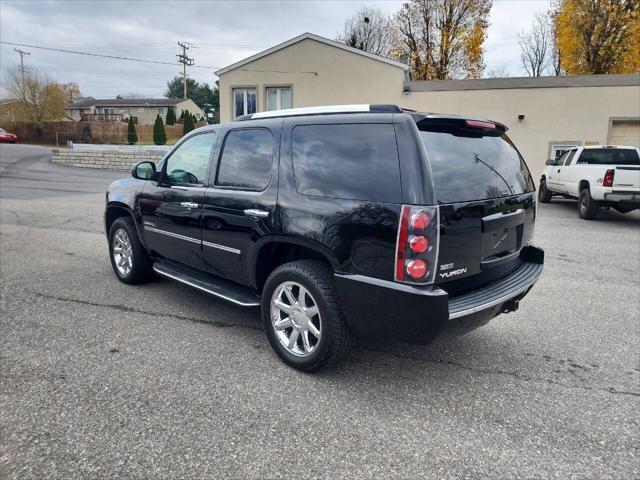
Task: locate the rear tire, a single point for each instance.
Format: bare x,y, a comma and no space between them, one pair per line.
129,259
544,194
587,206
302,316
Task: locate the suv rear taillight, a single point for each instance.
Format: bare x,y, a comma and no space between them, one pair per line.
608,178
417,244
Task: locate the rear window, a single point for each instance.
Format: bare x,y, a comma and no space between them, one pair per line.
349,161
609,156
475,168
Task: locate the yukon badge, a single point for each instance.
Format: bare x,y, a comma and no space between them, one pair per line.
453,273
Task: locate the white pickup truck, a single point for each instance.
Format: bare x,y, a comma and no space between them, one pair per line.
598,176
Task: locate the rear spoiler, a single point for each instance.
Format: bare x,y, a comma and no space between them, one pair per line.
459,126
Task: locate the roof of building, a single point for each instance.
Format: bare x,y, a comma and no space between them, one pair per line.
125,102
523,82
317,38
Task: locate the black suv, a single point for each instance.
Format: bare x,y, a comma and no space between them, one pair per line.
363,219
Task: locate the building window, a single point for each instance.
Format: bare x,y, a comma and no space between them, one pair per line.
109,111
556,149
244,101
163,110
140,109
278,98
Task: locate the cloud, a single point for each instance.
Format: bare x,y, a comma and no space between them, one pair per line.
222,33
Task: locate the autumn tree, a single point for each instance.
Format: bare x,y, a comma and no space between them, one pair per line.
39,99
443,38
598,36
537,46
369,30
71,91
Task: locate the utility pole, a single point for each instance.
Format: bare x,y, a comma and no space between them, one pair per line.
184,60
22,68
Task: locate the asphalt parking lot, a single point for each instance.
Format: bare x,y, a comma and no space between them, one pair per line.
103,380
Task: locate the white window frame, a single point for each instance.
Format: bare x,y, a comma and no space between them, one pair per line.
244,90
109,110
562,145
140,109
160,110
278,89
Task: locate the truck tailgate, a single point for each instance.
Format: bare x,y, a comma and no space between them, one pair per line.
627,177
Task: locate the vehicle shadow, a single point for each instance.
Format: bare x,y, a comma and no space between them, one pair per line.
569,207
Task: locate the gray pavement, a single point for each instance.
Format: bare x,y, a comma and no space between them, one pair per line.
103,380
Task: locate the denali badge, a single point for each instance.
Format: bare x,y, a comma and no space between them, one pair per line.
453,273
148,223
447,266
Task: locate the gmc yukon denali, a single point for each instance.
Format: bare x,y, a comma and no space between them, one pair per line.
362,220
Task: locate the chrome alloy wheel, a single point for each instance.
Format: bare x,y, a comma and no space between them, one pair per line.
122,253
296,319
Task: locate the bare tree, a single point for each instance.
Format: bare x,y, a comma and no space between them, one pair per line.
537,46
369,29
39,99
443,38
497,72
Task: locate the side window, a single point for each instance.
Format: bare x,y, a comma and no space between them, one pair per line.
560,160
246,159
570,157
349,161
188,165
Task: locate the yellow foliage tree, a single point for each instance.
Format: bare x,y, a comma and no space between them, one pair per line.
39,100
598,36
442,38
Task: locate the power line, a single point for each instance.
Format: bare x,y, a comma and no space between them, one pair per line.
114,57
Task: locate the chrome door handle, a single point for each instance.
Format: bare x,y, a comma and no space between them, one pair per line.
189,205
255,213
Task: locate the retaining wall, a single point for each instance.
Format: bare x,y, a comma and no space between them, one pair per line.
107,159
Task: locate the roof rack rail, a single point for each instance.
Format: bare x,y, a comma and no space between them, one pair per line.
324,110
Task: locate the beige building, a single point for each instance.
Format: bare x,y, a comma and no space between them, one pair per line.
144,110
545,114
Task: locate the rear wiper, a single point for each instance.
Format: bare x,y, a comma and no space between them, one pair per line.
479,160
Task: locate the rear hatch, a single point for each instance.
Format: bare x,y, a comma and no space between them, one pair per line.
486,198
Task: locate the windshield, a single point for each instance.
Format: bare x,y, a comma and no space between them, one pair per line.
475,168
609,156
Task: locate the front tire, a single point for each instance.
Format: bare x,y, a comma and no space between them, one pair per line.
129,260
544,194
587,206
302,316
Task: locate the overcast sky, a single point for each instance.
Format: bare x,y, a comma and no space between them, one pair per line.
221,32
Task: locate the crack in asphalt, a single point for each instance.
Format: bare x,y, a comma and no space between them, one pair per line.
517,375
123,308
217,324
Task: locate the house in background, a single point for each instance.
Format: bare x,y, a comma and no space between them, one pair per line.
545,115
144,110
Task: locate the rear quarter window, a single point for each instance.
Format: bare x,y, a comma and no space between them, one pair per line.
348,161
475,168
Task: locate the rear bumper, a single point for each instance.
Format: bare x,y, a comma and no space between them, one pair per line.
623,197
378,308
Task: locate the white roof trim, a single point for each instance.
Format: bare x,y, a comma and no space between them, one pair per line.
317,38
312,110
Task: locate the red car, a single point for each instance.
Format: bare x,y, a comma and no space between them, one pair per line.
6,137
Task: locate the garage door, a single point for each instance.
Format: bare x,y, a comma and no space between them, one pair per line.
625,132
